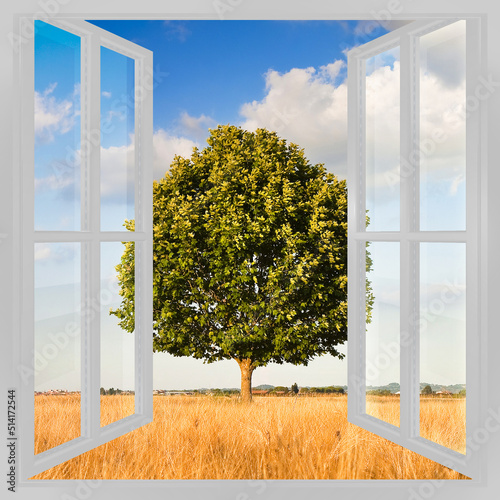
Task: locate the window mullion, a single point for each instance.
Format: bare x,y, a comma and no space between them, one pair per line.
144,249
356,211
91,249
139,226
409,377
25,274
474,256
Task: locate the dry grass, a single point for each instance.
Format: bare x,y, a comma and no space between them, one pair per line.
274,438
385,408
57,420
114,408
451,413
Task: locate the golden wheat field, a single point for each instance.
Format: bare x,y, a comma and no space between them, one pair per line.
219,438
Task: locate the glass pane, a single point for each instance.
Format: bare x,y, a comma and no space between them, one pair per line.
57,344
442,129
382,332
442,344
117,139
117,344
382,141
57,129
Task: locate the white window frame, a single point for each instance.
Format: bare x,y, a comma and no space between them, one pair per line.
90,237
487,442
409,238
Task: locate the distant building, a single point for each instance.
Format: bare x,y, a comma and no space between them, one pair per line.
259,392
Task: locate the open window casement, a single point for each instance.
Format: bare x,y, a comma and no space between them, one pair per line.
74,341
413,128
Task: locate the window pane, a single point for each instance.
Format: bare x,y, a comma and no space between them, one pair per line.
442,344
57,344
117,139
117,345
382,333
57,129
382,141
442,129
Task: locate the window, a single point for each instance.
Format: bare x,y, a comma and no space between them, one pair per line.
11,258
416,245
69,241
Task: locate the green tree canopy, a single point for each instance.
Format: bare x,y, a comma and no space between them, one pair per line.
281,388
427,390
250,255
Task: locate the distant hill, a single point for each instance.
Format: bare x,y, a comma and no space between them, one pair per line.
455,388
394,387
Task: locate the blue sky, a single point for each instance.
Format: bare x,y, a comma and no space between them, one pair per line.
215,66
285,75
57,128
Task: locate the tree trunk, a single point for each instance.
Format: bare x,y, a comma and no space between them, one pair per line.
246,379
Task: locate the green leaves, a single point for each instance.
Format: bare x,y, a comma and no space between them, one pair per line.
250,254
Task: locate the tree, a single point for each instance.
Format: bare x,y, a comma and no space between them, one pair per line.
281,388
379,392
427,390
103,391
295,388
250,255
111,391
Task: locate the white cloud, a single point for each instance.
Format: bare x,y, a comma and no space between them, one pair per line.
176,30
42,252
108,118
442,52
331,71
455,183
55,182
195,127
106,94
444,158
117,163
165,147
55,252
117,173
307,107
117,168
364,29
52,115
